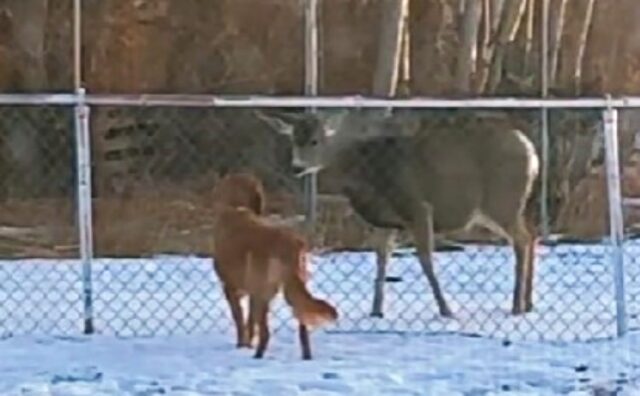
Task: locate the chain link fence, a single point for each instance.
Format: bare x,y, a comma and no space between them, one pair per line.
40,276
631,191
573,286
154,169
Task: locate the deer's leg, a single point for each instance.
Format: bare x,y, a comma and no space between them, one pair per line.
422,230
261,310
233,298
305,344
521,241
383,248
530,273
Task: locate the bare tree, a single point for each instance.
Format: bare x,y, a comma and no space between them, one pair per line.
394,17
27,35
491,10
28,24
430,27
495,11
582,45
556,27
574,42
469,45
528,46
511,16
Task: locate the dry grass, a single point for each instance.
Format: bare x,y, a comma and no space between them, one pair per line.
585,214
178,220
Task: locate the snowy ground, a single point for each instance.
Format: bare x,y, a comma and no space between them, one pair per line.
343,365
561,348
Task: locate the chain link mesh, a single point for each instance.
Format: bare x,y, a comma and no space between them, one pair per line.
41,283
573,286
154,170
630,152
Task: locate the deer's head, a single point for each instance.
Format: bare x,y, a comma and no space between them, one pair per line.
319,138
315,138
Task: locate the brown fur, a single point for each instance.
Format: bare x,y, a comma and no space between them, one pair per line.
257,259
241,190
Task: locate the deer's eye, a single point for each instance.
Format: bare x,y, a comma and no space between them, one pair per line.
314,142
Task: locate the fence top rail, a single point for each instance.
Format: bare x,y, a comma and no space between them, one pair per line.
253,101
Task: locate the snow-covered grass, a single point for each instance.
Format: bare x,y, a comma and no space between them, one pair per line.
377,364
560,348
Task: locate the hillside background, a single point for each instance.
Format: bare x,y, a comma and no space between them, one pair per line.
442,48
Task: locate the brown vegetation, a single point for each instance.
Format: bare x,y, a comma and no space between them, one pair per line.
443,48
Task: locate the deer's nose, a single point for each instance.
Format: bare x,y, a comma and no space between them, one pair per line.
298,168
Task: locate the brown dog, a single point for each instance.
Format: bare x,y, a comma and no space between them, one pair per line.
257,259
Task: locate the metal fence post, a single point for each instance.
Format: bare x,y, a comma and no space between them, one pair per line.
544,121
311,89
616,220
84,205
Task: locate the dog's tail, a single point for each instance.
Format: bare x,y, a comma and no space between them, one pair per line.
308,310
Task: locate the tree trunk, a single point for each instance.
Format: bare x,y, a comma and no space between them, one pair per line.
28,25
428,60
468,46
578,21
556,27
490,20
394,16
509,23
27,34
404,88
528,46
582,45
496,7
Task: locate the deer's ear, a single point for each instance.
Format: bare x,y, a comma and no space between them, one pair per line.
333,121
275,123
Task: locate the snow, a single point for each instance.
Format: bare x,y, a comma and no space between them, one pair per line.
162,328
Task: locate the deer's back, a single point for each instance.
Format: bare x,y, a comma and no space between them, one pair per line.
457,172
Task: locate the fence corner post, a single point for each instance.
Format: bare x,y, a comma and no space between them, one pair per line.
616,220
84,205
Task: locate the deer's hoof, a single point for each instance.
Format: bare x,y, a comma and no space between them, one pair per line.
446,313
517,311
376,315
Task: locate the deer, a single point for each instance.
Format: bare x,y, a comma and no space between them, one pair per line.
256,259
398,174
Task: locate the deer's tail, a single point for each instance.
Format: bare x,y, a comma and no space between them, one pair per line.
308,310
